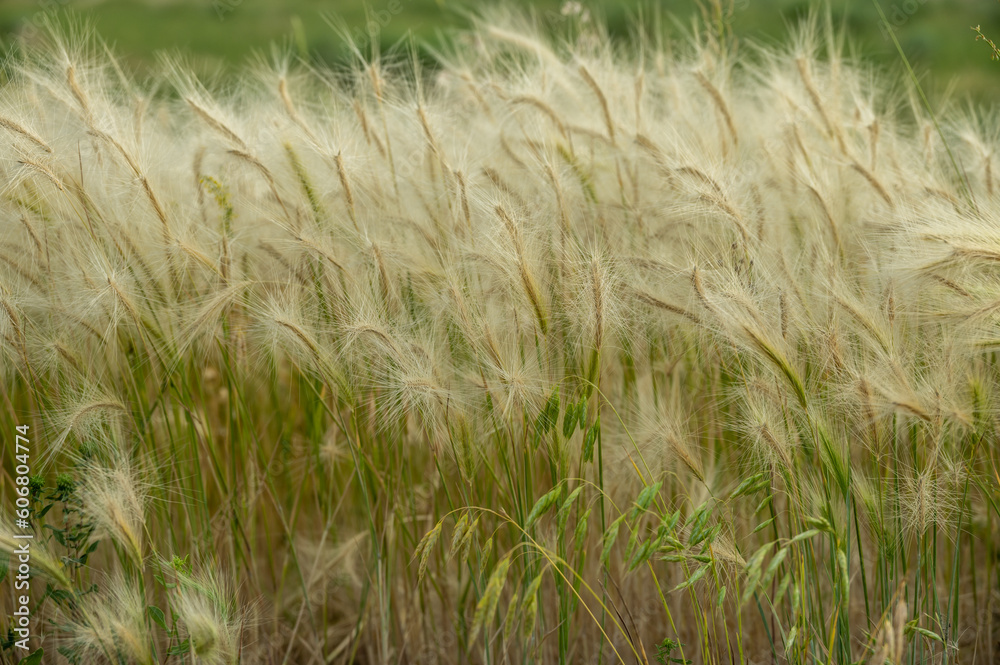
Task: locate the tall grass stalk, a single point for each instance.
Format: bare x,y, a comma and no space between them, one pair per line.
558,352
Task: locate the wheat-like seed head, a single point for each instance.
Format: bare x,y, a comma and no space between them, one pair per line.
111,624
760,263
115,499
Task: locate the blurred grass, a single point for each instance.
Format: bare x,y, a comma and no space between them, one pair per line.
936,34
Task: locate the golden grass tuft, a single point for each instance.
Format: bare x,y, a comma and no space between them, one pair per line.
562,351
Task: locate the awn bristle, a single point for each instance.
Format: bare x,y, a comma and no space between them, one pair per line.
594,316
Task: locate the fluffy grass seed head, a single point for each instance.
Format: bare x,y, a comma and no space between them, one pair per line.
114,498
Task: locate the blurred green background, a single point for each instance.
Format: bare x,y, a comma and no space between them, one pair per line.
936,34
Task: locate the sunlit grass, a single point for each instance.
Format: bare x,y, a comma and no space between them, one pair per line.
569,352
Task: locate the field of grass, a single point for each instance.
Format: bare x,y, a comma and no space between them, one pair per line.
561,352
936,34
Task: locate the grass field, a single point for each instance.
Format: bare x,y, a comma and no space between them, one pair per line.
936,34
563,351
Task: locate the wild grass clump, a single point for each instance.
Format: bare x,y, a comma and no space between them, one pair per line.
561,352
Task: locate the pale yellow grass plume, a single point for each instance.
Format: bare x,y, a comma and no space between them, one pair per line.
597,308
663,438
931,496
42,558
211,617
352,304
287,327
765,424
115,499
95,419
110,625
512,380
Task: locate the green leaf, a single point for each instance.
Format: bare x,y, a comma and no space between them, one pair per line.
58,533
180,649
34,659
156,614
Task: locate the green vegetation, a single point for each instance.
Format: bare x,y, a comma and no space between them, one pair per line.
935,33
563,352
